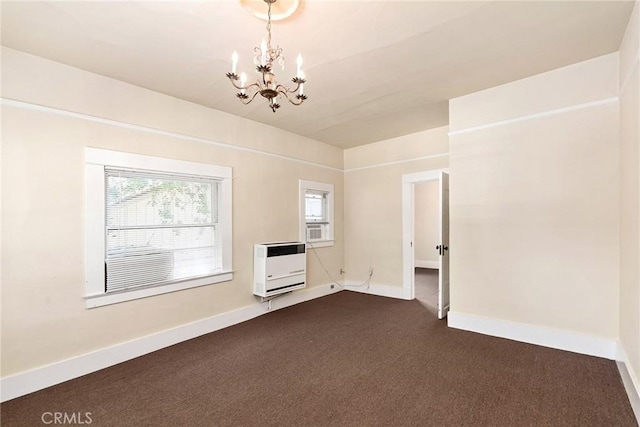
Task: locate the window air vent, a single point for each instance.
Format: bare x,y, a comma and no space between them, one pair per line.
314,231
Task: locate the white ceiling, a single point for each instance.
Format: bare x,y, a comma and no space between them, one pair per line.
375,69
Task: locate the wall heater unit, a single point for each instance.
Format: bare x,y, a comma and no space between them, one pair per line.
278,268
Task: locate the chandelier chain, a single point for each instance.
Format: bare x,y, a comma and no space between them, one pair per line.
269,26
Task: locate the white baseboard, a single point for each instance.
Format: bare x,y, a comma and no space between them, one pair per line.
45,376
421,263
630,380
534,334
378,289
555,338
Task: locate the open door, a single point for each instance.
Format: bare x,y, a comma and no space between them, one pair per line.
443,247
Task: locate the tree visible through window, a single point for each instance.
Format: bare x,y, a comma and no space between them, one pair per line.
154,225
159,228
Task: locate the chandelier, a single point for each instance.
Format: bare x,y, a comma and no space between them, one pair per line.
266,84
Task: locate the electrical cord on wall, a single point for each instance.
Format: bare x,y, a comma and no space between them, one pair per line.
364,284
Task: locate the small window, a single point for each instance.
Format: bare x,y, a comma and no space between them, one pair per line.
316,213
163,227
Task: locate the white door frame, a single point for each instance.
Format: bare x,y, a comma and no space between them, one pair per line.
408,225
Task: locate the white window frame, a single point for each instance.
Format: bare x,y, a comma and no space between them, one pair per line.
321,187
96,160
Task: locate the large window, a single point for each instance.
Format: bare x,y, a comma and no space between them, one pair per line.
154,226
316,213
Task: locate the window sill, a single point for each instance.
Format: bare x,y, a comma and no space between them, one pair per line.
320,244
100,300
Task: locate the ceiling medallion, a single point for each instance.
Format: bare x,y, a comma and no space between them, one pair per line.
280,10
266,84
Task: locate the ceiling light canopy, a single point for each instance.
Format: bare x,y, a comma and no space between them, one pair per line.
279,11
266,84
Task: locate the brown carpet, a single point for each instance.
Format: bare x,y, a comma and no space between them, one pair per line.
347,359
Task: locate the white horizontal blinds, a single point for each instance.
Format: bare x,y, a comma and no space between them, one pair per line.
316,212
316,206
160,228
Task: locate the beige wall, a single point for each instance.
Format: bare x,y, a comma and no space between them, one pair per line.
426,218
535,201
44,318
373,200
630,195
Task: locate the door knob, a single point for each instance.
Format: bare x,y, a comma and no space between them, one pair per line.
445,248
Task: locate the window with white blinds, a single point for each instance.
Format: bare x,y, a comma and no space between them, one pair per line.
159,228
316,213
316,206
154,225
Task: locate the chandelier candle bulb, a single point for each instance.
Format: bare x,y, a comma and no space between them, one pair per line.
299,63
234,62
243,80
263,49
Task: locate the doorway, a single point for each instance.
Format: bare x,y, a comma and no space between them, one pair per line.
426,238
433,251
